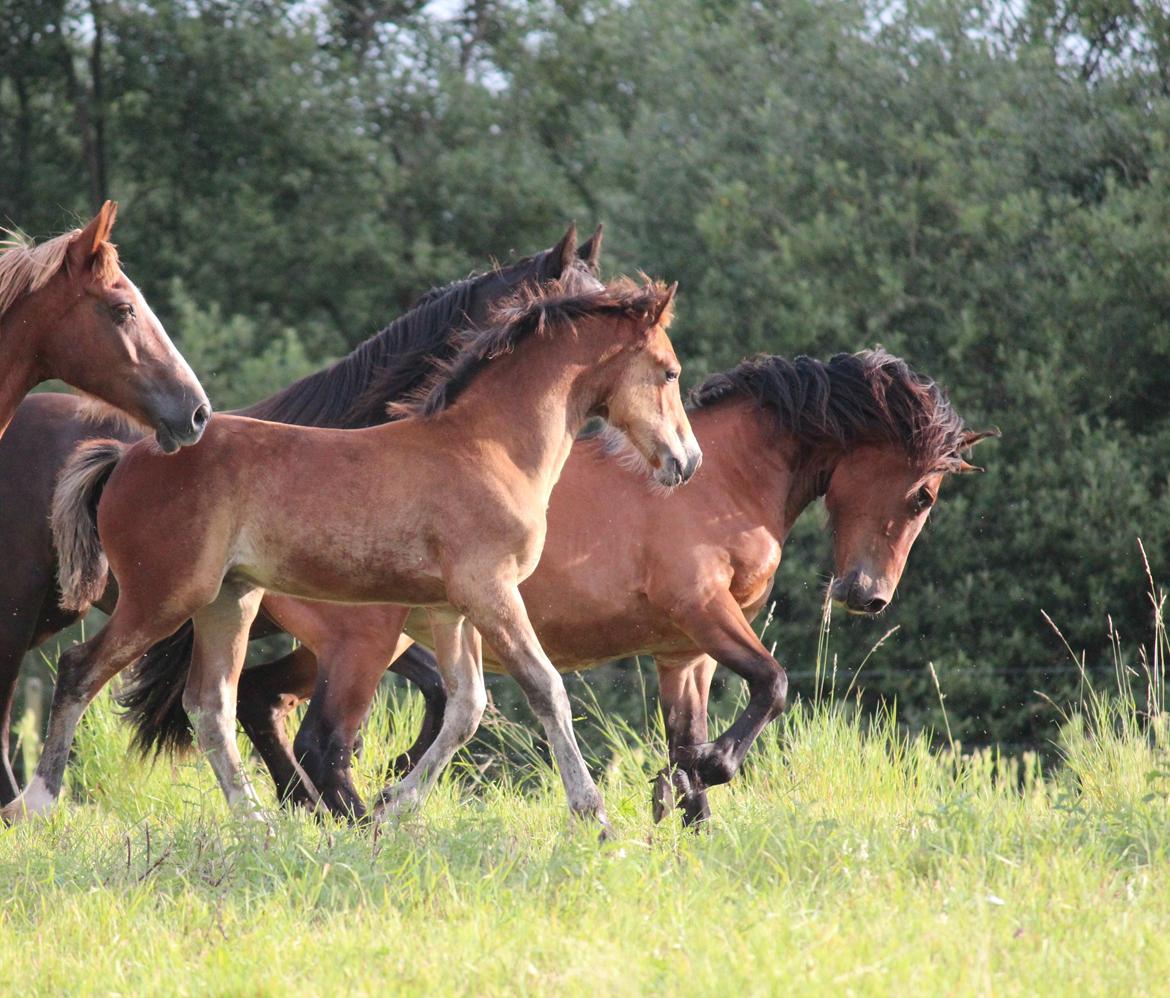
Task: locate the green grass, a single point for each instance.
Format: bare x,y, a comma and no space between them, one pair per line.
848,858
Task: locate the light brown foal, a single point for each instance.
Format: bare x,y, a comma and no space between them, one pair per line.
68,311
329,515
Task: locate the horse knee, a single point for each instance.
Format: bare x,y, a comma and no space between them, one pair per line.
777,689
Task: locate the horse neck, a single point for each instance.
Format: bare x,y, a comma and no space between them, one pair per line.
551,386
20,329
760,468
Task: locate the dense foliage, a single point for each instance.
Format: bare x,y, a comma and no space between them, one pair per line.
981,187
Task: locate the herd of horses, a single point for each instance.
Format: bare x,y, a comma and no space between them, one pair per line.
439,488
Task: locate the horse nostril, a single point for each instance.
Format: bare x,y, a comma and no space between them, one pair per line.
875,605
200,417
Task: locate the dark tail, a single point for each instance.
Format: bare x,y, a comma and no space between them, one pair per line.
82,566
152,695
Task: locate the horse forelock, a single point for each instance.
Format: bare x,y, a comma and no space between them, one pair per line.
26,267
852,399
533,311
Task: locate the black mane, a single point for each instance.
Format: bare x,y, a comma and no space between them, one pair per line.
533,311
852,399
353,392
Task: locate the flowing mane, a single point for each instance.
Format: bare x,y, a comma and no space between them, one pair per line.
26,266
852,399
392,363
533,311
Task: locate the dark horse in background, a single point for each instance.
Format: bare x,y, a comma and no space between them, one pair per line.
350,394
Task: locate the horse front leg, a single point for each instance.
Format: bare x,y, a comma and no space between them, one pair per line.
717,625
500,615
459,652
221,644
684,683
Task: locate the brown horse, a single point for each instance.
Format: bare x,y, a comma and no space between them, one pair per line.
326,514
348,394
68,311
627,570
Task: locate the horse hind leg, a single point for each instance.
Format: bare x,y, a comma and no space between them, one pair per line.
684,685
267,694
82,671
418,666
221,643
346,683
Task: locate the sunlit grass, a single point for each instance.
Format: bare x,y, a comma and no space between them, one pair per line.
850,856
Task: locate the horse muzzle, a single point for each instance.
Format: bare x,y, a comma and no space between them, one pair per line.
677,470
182,431
859,594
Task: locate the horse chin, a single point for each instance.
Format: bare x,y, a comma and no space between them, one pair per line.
168,443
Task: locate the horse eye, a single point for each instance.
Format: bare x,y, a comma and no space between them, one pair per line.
124,311
671,376
922,500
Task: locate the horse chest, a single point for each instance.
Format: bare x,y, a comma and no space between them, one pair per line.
753,566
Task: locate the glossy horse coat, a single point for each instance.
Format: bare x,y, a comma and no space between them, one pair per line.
327,515
629,570
350,393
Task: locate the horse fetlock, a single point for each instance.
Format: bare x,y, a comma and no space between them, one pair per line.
341,799
37,800
709,763
396,800
588,805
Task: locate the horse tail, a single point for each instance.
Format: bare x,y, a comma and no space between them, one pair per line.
152,695
82,565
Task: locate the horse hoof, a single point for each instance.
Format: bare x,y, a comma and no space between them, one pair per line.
662,797
394,802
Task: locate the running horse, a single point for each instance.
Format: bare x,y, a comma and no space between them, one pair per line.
68,311
628,570
330,515
348,394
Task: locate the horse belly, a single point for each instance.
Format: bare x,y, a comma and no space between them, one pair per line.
339,568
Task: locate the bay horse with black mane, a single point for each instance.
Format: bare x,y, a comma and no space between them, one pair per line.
627,570
68,311
348,394
331,515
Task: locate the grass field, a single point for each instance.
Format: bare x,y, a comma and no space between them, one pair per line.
848,858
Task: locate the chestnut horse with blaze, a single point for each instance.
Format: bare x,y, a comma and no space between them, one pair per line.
68,311
328,515
629,570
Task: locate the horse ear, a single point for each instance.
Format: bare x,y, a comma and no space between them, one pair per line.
84,248
590,250
561,255
972,437
664,307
